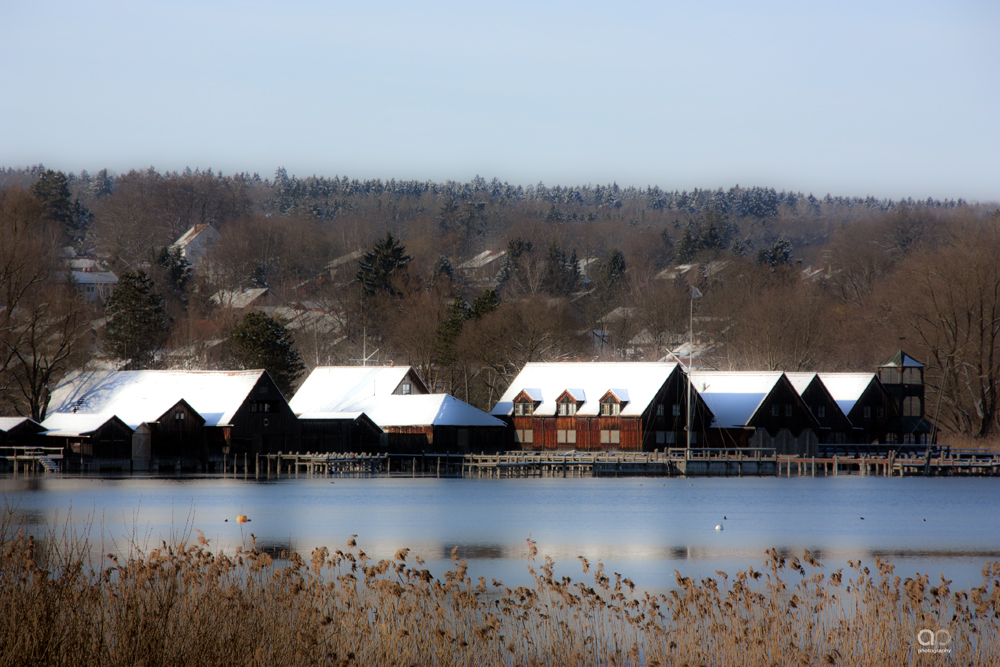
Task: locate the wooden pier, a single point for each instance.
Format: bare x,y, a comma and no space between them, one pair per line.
28,460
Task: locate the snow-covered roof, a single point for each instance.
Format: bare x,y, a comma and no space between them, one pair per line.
344,259
7,423
68,424
481,260
577,393
733,397
425,410
94,277
800,381
242,299
638,381
341,388
846,388
144,396
337,391
191,234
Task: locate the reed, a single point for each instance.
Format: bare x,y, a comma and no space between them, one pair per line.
184,604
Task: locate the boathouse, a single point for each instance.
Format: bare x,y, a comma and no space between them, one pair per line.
834,426
90,442
757,410
865,401
341,403
182,419
600,406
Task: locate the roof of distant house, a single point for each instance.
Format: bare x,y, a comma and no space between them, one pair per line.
232,299
193,233
482,259
634,383
8,423
94,277
71,425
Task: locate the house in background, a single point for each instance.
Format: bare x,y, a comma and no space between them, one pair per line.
482,268
95,285
598,406
757,410
254,298
196,243
349,399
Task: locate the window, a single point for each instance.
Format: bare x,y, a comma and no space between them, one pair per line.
911,406
610,409
179,416
788,409
912,376
526,435
610,437
661,437
406,388
524,409
881,412
659,410
775,410
890,376
821,411
566,437
264,389
567,409
677,410
868,412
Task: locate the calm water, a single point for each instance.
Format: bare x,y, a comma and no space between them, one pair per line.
643,528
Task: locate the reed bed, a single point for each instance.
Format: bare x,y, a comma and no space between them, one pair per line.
184,604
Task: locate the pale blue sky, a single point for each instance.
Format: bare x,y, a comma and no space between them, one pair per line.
879,97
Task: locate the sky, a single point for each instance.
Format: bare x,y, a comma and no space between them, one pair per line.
888,98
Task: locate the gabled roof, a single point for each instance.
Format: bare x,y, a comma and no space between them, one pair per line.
800,381
576,395
482,259
94,277
344,259
847,388
230,299
901,360
733,397
144,396
8,423
69,425
349,390
343,388
191,234
638,381
425,410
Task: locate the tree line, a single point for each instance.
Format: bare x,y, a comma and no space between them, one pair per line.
790,281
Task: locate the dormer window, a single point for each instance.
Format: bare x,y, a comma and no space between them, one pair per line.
406,389
526,402
569,402
612,402
567,408
524,409
610,409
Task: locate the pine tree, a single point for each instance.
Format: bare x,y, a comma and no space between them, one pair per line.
136,325
262,341
378,266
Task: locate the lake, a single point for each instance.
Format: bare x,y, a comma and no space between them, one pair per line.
643,528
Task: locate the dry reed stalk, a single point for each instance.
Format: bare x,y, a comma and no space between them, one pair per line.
183,604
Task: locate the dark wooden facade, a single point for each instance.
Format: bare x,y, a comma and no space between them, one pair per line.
108,447
264,424
340,435
178,436
834,426
25,434
903,379
871,413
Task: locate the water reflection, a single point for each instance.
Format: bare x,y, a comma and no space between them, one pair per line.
640,529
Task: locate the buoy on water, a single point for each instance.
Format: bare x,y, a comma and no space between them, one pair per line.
242,518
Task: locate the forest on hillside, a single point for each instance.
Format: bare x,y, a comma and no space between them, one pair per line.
469,281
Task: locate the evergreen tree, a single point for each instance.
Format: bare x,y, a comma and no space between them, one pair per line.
178,269
262,341
136,325
610,274
562,273
779,254
378,266
52,189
